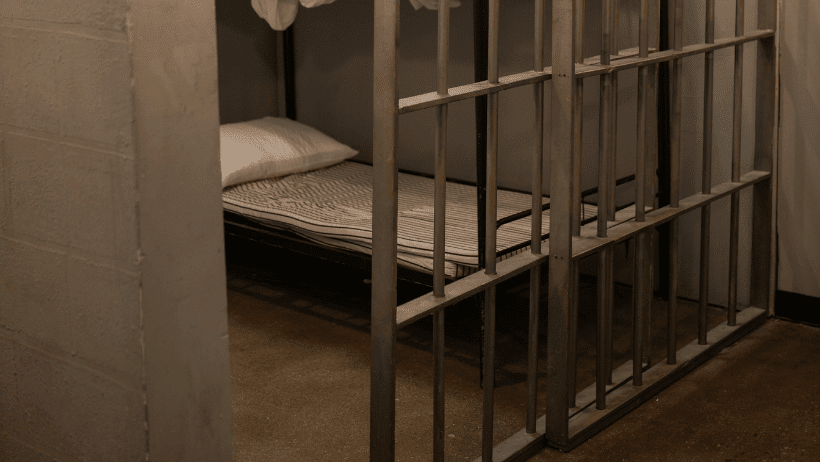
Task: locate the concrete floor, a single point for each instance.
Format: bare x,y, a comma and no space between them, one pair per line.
300,368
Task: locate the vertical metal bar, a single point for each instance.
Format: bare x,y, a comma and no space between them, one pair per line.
663,110
538,148
677,98
439,238
763,242
705,212
532,348
439,201
488,401
560,258
537,186
385,210
672,304
736,145
643,76
575,217
637,309
441,150
601,373
604,123
490,294
480,35
610,309
652,119
438,380
615,49
605,161
674,185
648,295
580,10
572,334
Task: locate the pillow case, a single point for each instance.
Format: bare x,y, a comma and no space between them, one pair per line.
275,146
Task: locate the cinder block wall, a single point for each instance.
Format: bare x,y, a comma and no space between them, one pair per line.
113,336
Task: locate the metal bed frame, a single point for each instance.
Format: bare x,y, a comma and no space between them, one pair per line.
570,419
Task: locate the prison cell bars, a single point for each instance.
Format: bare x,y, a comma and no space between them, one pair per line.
560,427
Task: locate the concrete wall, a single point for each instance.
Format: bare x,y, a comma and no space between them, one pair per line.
111,261
798,214
248,66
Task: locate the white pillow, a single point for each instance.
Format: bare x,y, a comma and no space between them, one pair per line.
273,146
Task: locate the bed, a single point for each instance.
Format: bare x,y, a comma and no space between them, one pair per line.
286,180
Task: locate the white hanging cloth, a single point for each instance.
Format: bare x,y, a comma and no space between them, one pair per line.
280,14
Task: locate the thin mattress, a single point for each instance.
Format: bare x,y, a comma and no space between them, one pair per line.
332,206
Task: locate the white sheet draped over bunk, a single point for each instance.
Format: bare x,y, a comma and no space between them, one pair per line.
280,14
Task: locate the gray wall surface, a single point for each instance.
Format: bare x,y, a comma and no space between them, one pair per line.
798,212
112,298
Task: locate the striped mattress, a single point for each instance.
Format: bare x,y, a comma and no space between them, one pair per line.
332,206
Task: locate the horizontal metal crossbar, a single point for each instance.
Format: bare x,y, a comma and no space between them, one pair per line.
593,69
627,59
587,244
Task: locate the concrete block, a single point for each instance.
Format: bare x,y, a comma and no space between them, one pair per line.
72,196
60,408
28,95
14,449
103,309
94,90
84,311
100,14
